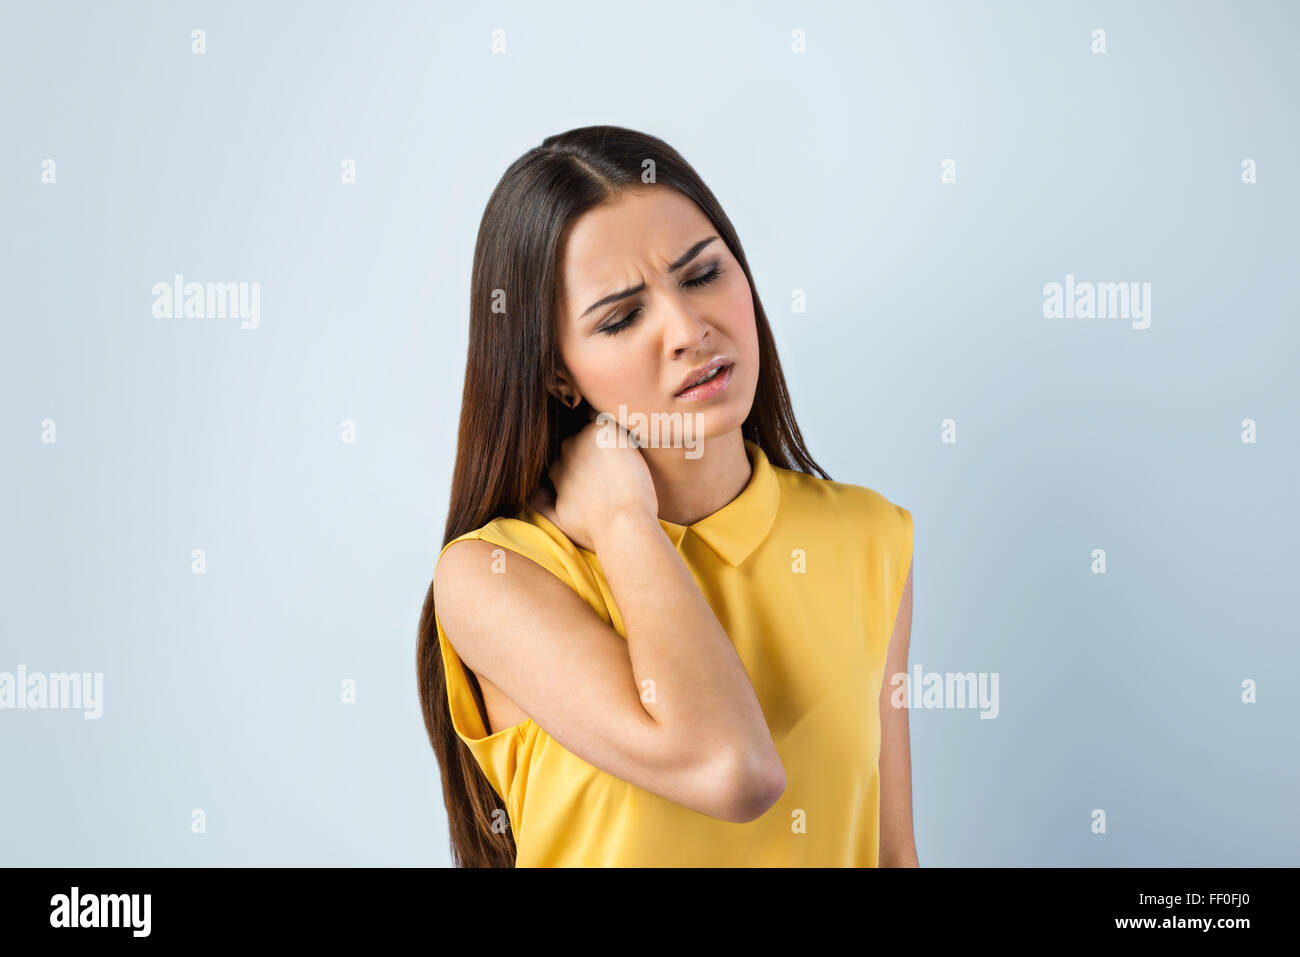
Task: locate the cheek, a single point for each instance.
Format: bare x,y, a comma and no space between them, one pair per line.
613,375
738,307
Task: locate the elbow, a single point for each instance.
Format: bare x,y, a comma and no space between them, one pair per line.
753,785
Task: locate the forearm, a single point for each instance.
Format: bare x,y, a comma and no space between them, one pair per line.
690,679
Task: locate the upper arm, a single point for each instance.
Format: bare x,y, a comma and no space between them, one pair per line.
537,640
902,633
897,844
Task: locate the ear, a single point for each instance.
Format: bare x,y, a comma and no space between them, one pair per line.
564,390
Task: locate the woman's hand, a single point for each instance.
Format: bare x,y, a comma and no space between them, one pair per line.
596,476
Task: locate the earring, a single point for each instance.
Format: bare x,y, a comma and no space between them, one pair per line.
571,401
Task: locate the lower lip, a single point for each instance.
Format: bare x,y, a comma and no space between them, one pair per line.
709,389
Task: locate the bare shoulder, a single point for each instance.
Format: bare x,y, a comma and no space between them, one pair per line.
462,566
472,574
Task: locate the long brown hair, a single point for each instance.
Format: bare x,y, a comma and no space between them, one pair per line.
511,427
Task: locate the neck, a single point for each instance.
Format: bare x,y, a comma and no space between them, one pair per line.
690,489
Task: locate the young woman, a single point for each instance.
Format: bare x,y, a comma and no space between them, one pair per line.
662,642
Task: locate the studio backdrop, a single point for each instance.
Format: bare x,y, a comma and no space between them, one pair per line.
1031,273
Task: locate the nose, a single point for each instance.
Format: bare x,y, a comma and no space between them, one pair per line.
684,331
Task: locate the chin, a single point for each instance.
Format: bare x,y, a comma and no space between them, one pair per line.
722,421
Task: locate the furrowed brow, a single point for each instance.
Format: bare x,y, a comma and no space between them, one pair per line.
682,260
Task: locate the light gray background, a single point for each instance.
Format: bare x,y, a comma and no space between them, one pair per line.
222,691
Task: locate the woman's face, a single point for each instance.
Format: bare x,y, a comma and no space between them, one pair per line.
650,293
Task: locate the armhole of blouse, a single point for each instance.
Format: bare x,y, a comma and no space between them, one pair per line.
901,559
530,543
495,752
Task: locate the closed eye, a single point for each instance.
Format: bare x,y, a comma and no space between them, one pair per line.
715,270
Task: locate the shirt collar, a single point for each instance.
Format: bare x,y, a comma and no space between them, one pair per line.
736,529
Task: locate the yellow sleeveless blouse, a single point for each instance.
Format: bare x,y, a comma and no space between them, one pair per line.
805,575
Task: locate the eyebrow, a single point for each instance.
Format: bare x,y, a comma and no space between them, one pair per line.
685,258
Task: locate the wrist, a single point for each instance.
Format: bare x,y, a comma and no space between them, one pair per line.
623,522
